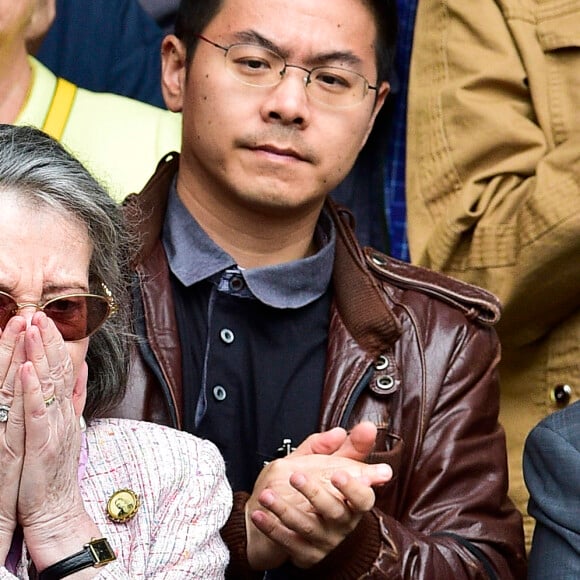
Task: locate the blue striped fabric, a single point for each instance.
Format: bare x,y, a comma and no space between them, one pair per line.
395,158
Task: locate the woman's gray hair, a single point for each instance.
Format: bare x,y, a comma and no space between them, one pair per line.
39,171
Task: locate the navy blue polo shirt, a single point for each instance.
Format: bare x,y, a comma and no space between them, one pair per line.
253,343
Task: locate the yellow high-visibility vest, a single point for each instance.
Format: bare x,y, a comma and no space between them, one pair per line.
60,108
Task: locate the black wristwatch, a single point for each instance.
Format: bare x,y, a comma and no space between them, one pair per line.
96,553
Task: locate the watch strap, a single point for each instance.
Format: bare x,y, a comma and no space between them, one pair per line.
96,553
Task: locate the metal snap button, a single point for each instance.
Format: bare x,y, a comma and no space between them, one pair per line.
386,383
382,363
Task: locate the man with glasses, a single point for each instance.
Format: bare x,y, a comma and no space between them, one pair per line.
265,321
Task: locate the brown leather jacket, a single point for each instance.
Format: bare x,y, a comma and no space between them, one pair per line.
412,351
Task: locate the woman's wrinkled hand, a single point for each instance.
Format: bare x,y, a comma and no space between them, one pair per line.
12,356
41,440
49,494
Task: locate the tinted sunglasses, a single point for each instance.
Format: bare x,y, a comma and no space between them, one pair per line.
76,316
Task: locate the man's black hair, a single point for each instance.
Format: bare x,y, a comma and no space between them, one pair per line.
193,16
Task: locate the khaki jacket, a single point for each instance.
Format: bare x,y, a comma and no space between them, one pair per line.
493,185
408,349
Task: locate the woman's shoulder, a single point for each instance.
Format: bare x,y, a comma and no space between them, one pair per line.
142,443
133,426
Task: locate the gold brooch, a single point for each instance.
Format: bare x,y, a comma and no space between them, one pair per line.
123,505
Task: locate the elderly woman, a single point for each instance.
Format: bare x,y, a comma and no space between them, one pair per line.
114,499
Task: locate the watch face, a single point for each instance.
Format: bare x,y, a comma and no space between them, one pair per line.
101,551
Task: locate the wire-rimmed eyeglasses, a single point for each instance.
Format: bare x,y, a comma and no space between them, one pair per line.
76,316
257,66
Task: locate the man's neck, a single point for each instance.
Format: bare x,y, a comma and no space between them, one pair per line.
15,81
278,247
254,239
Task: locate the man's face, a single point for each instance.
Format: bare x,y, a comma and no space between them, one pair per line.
274,149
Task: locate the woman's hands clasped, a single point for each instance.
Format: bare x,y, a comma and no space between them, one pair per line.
40,440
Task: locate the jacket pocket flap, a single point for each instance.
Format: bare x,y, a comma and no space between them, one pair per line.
562,31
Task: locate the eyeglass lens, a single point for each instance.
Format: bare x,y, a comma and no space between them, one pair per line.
258,66
75,316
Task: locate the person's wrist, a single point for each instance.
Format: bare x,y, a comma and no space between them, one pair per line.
262,552
95,554
55,540
4,550
7,530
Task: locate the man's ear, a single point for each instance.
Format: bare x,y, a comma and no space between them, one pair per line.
382,92
41,20
173,72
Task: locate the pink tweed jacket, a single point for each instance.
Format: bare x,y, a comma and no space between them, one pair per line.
185,500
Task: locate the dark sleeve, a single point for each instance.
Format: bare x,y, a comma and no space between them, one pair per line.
552,474
106,46
234,536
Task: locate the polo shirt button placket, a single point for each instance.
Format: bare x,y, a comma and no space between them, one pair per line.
227,335
219,392
237,284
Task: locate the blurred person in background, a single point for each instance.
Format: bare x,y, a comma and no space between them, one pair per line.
552,474
493,187
106,46
117,138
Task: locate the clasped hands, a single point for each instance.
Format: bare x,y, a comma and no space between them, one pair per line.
40,438
304,505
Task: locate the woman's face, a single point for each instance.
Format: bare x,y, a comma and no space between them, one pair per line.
43,255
